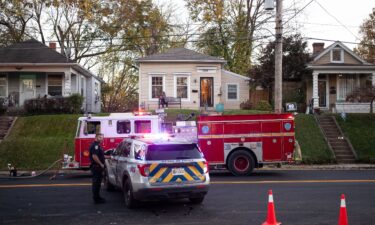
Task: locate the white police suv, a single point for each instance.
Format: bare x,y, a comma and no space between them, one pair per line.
150,168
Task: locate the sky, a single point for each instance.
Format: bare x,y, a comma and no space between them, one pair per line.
321,19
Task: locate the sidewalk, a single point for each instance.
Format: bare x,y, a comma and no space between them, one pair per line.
357,166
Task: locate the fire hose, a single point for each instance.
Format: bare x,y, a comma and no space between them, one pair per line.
36,175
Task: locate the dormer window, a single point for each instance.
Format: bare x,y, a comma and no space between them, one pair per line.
337,55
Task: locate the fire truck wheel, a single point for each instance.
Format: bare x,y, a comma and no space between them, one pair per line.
241,163
130,202
107,184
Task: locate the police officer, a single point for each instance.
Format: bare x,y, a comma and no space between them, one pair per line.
97,167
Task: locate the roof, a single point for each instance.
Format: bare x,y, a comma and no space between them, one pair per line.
180,55
236,75
31,51
35,53
317,56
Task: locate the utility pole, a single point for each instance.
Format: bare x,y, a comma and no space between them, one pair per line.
279,57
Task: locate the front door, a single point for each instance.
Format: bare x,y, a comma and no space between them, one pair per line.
207,92
27,88
322,92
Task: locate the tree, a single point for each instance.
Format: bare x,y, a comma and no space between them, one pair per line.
295,58
14,18
366,47
228,29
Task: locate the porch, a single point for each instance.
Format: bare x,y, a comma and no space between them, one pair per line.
329,90
17,87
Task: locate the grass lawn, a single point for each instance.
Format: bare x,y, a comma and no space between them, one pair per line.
313,146
360,129
37,141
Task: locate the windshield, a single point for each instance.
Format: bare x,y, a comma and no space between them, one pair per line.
173,152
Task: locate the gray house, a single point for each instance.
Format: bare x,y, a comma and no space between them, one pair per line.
30,70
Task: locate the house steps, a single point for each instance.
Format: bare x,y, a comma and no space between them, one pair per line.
339,145
6,124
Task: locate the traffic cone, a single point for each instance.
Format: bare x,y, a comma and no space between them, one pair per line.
343,218
271,216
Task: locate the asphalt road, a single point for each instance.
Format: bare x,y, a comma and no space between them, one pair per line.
301,197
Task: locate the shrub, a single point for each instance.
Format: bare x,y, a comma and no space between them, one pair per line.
54,105
246,105
75,101
263,106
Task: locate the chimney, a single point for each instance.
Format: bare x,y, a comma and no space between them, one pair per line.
317,47
52,45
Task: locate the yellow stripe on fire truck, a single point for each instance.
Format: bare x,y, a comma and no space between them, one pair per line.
284,134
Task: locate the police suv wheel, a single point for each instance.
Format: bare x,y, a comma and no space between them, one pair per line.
107,184
130,202
241,163
196,200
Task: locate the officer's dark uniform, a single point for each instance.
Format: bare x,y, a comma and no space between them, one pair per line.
97,171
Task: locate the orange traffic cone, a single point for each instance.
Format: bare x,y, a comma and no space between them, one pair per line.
271,216
343,218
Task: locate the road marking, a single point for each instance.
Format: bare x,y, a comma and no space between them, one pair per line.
43,185
212,182
292,181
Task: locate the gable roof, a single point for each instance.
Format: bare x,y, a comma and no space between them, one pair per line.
180,55
334,45
31,51
236,75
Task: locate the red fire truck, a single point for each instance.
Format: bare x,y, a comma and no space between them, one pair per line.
242,142
115,128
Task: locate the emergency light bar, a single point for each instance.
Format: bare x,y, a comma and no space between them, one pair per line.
142,113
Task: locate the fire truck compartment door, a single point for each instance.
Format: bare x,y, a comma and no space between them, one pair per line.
272,148
210,140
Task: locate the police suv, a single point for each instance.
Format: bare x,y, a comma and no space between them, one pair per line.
152,168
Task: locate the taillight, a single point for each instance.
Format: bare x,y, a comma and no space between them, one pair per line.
144,170
206,167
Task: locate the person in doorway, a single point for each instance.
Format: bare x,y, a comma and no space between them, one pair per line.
97,165
163,100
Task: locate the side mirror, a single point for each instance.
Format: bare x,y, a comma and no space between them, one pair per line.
85,132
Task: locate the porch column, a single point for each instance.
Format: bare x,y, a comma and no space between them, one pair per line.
373,79
67,83
315,90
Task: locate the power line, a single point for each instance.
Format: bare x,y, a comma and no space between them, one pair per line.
336,19
299,11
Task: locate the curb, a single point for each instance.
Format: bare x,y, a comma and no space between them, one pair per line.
322,167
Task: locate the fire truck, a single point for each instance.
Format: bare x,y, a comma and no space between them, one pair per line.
242,142
238,143
115,128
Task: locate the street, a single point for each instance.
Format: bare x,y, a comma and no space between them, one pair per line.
301,197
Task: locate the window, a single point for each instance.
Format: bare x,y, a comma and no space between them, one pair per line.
123,127
173,152
54,85
207,69
96,92
232,91
182,87
142,126
337,55
156,86
92,127
347,84
83,86
139,151
3,85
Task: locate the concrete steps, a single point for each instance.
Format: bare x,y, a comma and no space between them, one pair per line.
336,140
5,125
